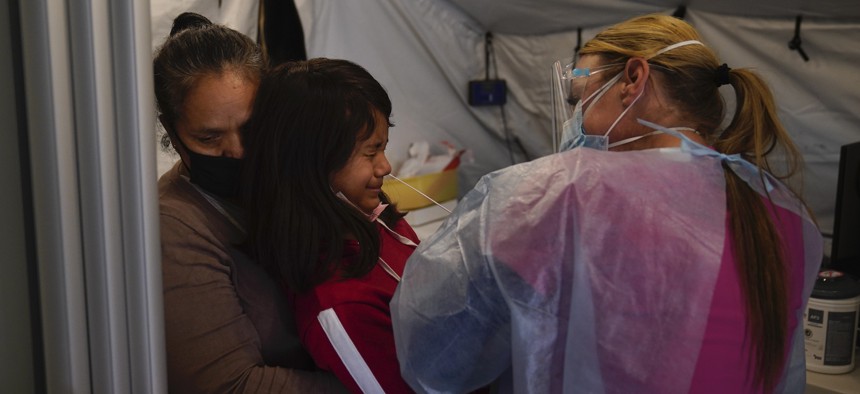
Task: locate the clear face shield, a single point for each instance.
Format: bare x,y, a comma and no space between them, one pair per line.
568,86
562,111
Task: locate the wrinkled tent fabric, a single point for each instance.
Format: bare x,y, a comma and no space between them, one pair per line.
527,17
237,14
545,268
425,52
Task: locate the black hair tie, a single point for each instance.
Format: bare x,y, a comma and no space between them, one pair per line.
721,77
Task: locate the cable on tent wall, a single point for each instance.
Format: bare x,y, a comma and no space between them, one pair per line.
795,42
488,49
490,58
489,92
508,136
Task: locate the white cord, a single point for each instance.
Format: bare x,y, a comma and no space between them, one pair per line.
421,193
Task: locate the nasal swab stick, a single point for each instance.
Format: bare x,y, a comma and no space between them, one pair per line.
421,193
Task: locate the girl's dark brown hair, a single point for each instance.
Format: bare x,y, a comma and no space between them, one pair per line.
308,117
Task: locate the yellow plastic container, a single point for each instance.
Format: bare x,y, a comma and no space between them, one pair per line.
441,186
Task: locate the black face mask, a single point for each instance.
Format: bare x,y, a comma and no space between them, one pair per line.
218,175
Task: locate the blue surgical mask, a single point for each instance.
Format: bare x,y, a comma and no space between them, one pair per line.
573,132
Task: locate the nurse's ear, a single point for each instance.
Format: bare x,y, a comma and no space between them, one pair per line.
634,79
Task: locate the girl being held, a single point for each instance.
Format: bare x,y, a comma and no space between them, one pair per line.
318,219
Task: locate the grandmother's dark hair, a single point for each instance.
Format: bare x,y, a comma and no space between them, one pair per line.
196,48
308,117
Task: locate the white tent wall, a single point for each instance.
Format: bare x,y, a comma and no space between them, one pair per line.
538,17
424,52
817,100
237,14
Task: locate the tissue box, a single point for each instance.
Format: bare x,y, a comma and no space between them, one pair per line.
440,186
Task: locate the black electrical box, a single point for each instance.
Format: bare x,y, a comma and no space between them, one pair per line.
488,92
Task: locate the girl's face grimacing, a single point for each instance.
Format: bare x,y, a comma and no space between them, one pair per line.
360,180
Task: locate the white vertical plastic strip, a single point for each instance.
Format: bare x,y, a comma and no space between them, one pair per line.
90,107
129,276
50,117
135,100
99,194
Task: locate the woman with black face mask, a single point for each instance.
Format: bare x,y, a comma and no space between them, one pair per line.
227,328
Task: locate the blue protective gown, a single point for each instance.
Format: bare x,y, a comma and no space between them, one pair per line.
551,269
